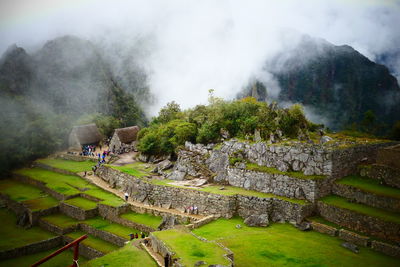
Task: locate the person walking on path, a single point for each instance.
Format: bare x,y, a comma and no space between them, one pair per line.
126,196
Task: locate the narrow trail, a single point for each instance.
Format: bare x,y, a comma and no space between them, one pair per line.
104,185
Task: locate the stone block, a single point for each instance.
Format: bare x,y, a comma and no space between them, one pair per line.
386,248
324,229
353,237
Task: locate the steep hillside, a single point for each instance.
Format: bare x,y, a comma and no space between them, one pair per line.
337,81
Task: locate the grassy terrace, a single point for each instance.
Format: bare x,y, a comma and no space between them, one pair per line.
214,189
191,249
145,219
299,175
70,185
30,196
341,202
136,169
82,203
60,220
128,256
68,165
110,227
94,242
371,186
13,236
284,245
60,260
230,191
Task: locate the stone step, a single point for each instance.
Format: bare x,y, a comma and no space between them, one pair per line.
371,221
326,227
389,156
385,174
368,191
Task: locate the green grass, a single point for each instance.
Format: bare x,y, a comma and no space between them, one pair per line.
284,245
113,228
299,175
128,256
230,191
68,165
60,220
60,183
71,185
13,236
61,260
32,197
94,242
360,208
108,198
131,169
190,249
370,185
82,203
145,219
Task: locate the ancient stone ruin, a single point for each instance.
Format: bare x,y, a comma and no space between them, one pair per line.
124,140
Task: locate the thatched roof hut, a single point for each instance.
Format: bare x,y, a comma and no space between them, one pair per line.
84,135
122,136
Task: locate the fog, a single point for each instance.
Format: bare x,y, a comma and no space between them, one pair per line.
187,47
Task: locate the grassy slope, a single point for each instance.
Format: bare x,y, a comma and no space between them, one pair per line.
146,219
360,208
113,228
190,249
131,169
31,196
60,220
128,256
13,236
284,245
299,175
60,260
94,242
68,184
370,185
69,165
82,203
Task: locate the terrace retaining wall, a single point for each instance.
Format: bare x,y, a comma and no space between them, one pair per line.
385,174
76,212
32,248
19,208
75,157
53,169
207,203
107,236
87,252
56,229
385,248
359,222
278,184
369,199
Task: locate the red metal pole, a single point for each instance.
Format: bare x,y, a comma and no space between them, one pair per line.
76,255
55,253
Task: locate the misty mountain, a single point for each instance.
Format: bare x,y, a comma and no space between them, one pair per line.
337,82
67,75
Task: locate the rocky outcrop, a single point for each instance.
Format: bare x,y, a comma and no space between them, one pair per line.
257,220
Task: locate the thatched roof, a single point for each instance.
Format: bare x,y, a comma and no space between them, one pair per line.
128,134
87,134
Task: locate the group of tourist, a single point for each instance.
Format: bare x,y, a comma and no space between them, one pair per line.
137,236
191,210
88,150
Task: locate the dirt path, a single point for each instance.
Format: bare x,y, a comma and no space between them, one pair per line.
125,158
104,185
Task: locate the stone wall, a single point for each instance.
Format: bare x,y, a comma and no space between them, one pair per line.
75,157
324,229
359,222
385,174
19,209
278,184
56,229
385,248
107,236
84,250
377,201
32,248
390,156
353,238
76,212
47,167
207,203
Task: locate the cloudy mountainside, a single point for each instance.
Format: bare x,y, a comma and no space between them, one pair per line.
337,82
